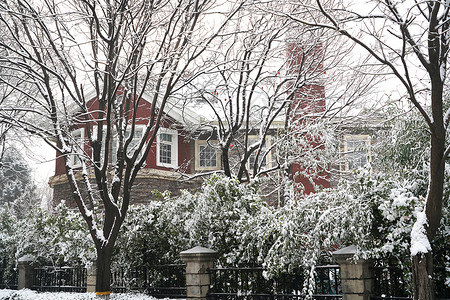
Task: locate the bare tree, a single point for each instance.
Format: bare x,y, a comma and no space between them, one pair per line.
410,39
70,52
272,99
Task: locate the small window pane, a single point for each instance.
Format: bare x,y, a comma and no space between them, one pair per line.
356,154
261,158
77,147
208,156
165,137
165,153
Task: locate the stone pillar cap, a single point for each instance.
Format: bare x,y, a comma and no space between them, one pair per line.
26,258
198,254
350,250
199,250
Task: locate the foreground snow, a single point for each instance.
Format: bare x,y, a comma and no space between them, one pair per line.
32,295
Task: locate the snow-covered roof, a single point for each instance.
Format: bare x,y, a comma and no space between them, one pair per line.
181,114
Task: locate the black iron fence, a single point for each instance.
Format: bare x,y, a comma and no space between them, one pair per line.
390,282
249,283
393,283
64,279
159,281
8,276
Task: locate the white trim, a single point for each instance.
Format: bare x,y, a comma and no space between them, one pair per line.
199,143
77,147
174,148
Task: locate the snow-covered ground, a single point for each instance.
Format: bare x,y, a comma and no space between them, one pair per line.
32,295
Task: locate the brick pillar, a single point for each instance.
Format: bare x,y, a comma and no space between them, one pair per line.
91,279
356,277
198,260
26,272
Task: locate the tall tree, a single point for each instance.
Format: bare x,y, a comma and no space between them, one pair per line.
264,98
410,39
70,52
17,190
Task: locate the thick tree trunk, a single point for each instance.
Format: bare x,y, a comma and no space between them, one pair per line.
422,276
226,162
103,280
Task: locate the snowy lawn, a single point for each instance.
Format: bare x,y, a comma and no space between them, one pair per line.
32,295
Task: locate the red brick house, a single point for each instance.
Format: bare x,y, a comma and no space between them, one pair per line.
171,154
176,151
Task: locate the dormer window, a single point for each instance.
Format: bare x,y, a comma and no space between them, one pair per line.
167,148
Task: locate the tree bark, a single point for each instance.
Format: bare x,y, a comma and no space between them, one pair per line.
423,283
103,279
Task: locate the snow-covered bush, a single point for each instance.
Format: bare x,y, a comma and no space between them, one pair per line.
394,202
234,220
216,217
375,212
53,238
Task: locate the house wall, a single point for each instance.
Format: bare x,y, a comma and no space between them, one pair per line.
147,182
151,177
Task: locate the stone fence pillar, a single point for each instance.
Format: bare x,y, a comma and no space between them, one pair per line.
356,277
91,279
198,260
26,272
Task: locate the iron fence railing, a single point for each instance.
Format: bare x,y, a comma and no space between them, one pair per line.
328,280
8,275
64,279
159,281
390,282
249,283
393,283
8,278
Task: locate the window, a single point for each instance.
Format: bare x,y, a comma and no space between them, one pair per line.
77,147
262,158
206,155
138,133
167,148
356,151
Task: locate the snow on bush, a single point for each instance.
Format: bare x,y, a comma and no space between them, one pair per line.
53,238
375,212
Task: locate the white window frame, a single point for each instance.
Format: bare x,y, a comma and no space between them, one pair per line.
200,143
356,137
174,148
77,147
